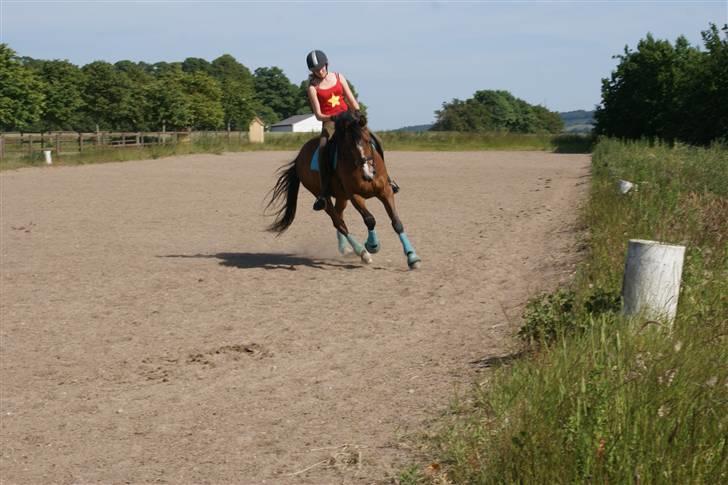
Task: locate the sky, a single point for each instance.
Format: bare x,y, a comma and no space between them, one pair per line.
405,58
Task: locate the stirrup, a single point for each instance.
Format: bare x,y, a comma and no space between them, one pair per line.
320,204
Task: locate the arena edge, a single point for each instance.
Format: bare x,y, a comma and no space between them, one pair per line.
597,398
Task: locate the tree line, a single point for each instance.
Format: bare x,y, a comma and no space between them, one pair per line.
670,92
493,111
51,95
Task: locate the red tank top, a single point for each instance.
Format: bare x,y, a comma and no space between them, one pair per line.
331,99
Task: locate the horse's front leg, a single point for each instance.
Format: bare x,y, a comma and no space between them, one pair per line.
413,261
342,232
372,243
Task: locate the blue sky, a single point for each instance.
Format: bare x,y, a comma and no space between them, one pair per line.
405,57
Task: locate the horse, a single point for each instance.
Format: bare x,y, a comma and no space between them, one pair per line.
359,173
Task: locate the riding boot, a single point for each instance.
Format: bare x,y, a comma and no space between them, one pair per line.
320,203
395,187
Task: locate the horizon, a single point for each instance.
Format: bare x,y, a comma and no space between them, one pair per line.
548,53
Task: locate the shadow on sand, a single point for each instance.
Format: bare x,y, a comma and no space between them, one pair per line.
289,262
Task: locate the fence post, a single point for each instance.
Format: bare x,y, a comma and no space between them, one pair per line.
80,143
30,145
2,146
58,144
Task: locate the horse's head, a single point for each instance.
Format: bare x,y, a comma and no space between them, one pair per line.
355,140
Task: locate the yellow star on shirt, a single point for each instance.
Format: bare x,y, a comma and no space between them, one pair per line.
334,100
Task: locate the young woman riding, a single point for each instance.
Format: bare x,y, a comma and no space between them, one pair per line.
329,95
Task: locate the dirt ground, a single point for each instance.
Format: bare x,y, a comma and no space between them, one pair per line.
152,331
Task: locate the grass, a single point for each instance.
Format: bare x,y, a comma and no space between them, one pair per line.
429,141
455,141
603,399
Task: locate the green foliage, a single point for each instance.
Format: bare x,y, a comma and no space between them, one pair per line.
205,100
661,91
492,111
554,316
21,93
461,141
112,100
62,88
168,104
618,401
274,91
237,86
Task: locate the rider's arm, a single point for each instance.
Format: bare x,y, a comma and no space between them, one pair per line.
350,99
315,106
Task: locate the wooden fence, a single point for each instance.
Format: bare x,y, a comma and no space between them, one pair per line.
15,145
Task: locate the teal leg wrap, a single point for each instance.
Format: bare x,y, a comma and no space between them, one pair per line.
409,250
342,242
358,248
372,243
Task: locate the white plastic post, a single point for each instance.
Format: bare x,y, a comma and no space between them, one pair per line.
48,159
652,276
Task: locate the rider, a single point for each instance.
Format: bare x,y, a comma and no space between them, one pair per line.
329,95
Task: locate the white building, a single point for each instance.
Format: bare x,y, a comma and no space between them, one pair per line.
298,123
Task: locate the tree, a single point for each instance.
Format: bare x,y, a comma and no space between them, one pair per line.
639,98
196,64
21,93
205,98
492,111
62,87
274,91
168,104
238,91
668,92
112,99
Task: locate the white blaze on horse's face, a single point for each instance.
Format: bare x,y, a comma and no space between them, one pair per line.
367,165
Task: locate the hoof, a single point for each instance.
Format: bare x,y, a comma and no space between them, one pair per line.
372,249
346,251
413,261
366,258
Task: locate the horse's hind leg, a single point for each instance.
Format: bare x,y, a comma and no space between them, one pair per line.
413,261
337,217
372,242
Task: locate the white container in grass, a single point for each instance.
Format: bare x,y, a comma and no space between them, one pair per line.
625,186
652,276
48,158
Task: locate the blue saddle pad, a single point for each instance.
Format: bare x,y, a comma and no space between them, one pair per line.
315,162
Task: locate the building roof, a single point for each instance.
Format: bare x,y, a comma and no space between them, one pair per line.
293,120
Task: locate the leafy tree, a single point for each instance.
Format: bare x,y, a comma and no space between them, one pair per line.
62,87
238,91
490,111
112,100
205,98
639,98
168,104
669,92
196,64
706,91
274,91
21,93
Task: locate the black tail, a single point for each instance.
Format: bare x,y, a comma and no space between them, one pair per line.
287,186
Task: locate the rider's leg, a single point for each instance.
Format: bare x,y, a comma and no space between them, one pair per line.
323,159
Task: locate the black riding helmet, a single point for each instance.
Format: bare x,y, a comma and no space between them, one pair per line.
316,60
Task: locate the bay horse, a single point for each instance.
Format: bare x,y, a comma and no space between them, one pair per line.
358,173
